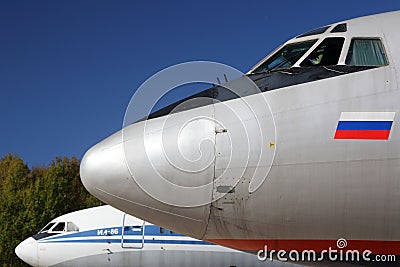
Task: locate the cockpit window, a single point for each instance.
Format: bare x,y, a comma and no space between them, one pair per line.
60,227
366,52
327,53
340,28
314,32
47,227
285,57
71,227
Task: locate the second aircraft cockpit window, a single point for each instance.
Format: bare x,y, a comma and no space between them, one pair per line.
59,227
47,227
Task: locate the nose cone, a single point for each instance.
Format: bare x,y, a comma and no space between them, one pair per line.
131,171
103,169
27,251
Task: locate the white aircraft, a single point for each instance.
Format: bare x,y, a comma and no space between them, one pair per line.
105,236
304,155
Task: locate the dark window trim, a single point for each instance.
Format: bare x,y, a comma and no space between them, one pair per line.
342,27
317,31
266,81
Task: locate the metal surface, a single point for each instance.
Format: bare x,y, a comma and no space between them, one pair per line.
303,192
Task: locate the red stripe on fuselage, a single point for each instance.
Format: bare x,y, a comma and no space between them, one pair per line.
375,246
363,134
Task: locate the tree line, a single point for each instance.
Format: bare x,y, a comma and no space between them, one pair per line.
30,198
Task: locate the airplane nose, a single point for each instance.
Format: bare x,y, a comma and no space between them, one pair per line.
27,251
103,166
130,171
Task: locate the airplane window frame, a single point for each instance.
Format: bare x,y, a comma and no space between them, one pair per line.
342,27
311,59
74,228
316,31
384,52
47,227
58,231
286,62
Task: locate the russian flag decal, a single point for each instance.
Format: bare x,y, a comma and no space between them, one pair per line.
365,125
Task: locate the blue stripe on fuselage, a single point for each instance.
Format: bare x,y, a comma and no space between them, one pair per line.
137,241
150,230
364,125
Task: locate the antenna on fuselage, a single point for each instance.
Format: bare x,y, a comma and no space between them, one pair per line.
219,81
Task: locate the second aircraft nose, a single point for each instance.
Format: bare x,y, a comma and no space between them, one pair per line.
27,251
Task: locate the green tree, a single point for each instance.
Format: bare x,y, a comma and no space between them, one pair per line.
32,198
15,177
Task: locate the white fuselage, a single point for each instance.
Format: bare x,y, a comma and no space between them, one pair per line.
108,237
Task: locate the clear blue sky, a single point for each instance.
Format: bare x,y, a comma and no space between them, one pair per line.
69,68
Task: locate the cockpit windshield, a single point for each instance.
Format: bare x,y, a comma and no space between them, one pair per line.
59,227
47,227
286,56
56,228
